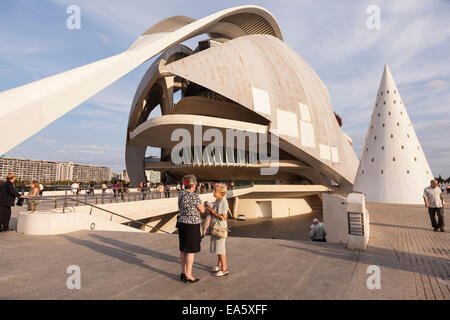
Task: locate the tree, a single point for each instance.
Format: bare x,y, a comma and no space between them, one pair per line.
439,179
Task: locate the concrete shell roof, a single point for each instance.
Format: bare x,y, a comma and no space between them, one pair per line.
243,68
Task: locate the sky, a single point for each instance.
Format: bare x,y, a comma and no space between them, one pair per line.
332,36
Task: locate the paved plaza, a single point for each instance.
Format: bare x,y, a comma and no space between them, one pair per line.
413,260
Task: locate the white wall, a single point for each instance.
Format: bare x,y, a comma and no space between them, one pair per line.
282,208
272,207
60,223
335,218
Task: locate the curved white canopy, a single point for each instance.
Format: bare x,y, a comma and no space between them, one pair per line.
29,108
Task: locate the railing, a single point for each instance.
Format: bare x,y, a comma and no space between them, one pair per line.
42,203
34,201
102,198
116,197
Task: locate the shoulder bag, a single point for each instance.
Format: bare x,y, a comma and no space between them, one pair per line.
219,231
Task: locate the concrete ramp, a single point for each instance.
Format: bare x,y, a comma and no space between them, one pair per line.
139,210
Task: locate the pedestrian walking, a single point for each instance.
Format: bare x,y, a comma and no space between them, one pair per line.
120,189
74,188
91,187
115,189
104,187
432,197
160,190
145,190
167,190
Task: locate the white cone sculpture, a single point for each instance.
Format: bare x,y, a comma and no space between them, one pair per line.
393,167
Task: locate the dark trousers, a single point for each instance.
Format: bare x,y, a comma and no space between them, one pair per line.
440,214
5,216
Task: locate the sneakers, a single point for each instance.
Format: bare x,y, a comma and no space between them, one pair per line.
215,269
222,273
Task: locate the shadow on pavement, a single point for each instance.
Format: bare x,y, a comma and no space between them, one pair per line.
122,255
383,257
141,250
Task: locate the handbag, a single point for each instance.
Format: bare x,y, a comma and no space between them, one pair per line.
20,202
219,231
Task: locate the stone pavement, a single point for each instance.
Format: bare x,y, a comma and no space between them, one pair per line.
406,231
412,258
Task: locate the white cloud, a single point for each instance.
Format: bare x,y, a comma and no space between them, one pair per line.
103,37
44,140
94,148
437,84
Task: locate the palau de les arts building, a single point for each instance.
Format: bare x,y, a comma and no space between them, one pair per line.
245,78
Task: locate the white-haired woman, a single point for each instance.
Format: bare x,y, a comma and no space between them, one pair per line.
190,206
219,216
317,232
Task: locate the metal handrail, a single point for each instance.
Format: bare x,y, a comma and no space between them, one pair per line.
119,215
142,195
99,208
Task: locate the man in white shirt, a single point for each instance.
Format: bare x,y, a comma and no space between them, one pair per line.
74,187
432,196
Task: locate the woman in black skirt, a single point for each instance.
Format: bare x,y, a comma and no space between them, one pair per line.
190,207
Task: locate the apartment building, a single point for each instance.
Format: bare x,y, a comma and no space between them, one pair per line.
52,171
